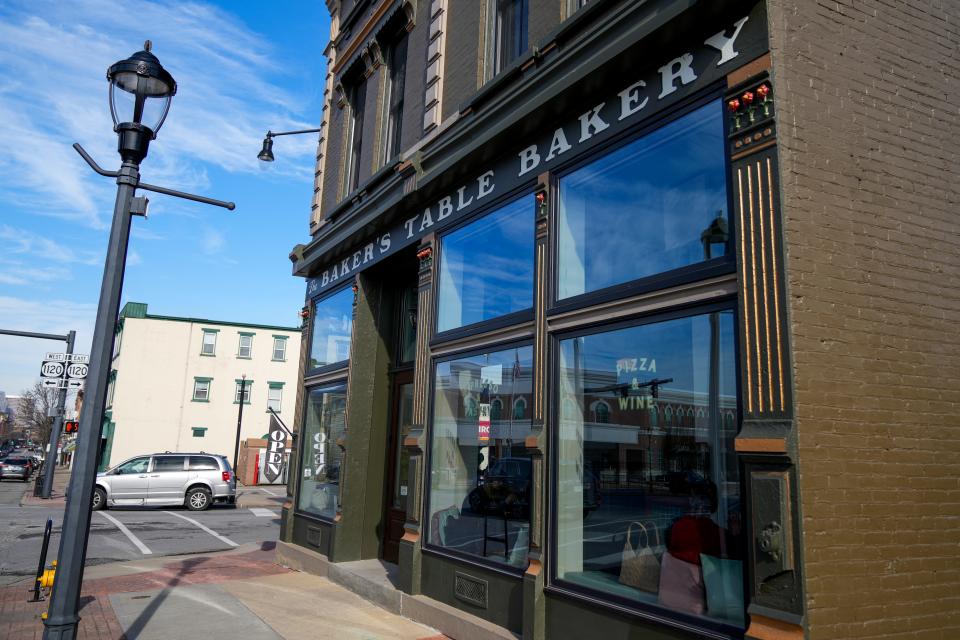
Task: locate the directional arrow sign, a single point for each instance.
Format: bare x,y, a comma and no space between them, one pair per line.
77,371
74,384
56,383
52,369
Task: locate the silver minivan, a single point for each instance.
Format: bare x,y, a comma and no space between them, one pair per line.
195,480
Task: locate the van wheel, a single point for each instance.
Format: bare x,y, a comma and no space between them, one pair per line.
198,499
99,499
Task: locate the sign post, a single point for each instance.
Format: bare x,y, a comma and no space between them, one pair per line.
60,370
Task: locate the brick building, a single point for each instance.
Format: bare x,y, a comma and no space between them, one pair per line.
652,318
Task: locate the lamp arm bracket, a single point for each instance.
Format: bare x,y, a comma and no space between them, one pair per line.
93,164
150,187
274,134
186,196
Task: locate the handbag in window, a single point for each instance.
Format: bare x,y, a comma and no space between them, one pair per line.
640,567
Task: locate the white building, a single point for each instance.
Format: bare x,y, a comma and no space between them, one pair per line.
175,383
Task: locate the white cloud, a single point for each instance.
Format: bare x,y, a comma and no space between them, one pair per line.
53,58
212,241
22,356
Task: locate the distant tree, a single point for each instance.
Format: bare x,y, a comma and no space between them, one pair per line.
34,411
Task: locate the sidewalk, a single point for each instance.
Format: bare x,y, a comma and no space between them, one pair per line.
268,496
228,595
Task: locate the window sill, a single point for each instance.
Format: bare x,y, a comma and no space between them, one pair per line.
278,360
198,400
480,563
244,357
208,355
245,403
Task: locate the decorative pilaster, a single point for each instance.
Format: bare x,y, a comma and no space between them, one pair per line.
534,604
416,442
766,443
432,101
293,464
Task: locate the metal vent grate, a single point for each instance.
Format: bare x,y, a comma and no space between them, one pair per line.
470,589
313,536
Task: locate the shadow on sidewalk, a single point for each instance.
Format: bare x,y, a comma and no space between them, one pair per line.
138,625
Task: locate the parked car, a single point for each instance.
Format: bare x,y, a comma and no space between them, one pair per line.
16,468
194,480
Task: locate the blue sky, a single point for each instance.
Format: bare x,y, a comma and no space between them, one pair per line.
241,68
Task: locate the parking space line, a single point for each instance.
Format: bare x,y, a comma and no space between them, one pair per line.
264,513
216,535
123,529
269,493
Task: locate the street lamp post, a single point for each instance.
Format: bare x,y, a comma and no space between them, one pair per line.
140,89
266,153
236,448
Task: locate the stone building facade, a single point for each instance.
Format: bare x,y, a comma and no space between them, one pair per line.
635,319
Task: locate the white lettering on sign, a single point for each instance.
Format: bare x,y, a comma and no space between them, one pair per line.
630,102
52,369
630,365
676,69
724,45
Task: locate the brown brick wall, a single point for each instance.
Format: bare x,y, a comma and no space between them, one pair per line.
867,100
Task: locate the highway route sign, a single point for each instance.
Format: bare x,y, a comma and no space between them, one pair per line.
77,370
52,369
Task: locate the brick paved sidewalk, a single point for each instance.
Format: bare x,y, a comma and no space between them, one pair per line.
226,590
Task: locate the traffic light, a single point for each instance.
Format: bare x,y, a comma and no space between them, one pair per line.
70,426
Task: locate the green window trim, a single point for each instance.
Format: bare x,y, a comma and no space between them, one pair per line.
199,432
241,335
203,337
247,333
276,385
248,391
193,393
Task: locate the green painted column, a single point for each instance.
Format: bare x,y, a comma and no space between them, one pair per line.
358,524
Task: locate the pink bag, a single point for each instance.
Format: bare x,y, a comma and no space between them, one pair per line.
681,585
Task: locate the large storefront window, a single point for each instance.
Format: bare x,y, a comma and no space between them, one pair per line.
644,208
648,505
480,472
321,456
332,326
486,267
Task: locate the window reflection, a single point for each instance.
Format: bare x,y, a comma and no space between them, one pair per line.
321,456
486,267
646,466
332,326
645,208
480,471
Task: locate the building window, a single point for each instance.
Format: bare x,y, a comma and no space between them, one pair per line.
575,5
245,346
209,344
397,69
274,395
199,432
480,470
645,208
509,32
502,241
111,387
201,389
357,100
117,339
332,326
689,504
279,348
246,385
519,408
323,426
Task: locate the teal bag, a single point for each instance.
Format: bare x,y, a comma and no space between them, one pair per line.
723,580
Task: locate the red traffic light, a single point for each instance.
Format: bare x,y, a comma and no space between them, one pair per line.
71,426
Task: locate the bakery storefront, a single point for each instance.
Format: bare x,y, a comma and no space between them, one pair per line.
537,380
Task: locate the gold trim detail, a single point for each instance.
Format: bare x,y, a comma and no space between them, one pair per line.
756,307
766,303
743,270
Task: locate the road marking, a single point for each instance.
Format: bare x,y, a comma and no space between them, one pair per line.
216,535
264,513
270,493
123,529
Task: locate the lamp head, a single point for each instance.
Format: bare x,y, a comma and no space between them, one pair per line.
140,93
266,154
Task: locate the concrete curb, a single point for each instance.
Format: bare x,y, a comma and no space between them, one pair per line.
364,579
